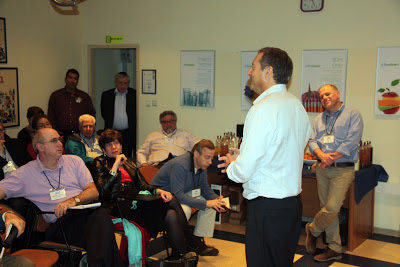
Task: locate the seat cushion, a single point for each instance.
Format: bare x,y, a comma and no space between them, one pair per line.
39,257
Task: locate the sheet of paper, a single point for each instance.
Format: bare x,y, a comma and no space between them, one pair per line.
226,200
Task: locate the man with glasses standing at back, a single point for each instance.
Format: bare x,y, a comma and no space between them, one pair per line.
163,145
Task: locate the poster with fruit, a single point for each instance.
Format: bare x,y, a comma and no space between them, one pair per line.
387,99
321,67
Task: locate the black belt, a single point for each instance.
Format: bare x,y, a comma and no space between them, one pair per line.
341,164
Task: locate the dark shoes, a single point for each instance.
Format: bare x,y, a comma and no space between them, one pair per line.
311,241
328,255
199,246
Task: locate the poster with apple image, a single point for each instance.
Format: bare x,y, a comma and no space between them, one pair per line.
387,92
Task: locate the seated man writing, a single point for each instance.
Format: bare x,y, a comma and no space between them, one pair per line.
55,182
159,145
84,144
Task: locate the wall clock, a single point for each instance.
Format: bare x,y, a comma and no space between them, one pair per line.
311,5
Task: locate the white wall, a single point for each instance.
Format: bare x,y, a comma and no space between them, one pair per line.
162,28
43,45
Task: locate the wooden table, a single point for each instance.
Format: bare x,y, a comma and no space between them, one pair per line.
361,216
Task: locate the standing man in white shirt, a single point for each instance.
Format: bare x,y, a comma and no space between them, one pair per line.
170,140
270,162
118,109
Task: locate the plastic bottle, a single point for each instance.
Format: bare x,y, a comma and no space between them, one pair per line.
218,146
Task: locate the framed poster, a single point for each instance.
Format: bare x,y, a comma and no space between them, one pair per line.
321,67
149,82
246,63
3,41
197,78
9,98
387,99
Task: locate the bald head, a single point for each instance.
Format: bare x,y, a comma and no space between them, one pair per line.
330,97
43,135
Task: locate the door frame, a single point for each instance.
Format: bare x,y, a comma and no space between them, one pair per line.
115,46
91,76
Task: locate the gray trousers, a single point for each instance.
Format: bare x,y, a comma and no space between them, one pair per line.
205,220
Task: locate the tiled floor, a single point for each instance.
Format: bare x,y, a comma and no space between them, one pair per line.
377,251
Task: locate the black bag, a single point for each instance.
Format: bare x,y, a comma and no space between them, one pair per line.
188,260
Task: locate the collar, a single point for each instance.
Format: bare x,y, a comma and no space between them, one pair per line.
89,140
273,89
171,134
328,114
73,92
60,163
118,93
192,169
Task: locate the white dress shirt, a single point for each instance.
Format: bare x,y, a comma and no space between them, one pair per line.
158,145
276,132
120,116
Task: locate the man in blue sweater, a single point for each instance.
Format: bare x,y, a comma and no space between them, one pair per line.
186,177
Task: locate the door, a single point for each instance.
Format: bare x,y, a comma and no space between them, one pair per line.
105,62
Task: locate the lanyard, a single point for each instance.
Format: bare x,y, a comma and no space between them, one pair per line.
91,146
59,176
326,123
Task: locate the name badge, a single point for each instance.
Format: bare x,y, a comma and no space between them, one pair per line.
328,139
92,154
58,193
196,192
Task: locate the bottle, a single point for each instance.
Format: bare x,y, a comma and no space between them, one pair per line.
224,147
365,155
368,153
360,154
372,150
357,164
218,146
231,144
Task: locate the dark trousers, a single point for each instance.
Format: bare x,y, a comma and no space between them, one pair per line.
272,231
91,229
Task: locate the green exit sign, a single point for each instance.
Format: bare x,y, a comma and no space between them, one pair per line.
114,39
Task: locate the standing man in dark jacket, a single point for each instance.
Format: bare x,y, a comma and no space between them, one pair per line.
118,109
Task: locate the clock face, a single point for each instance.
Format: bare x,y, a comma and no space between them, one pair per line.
311,5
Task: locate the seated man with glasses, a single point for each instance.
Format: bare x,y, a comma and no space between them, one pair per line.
84,144
56,182
163,145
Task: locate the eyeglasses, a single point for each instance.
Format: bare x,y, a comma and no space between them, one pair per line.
112,143
43,125
54,140
167,122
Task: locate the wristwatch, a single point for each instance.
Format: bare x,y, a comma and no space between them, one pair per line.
77,200
113,173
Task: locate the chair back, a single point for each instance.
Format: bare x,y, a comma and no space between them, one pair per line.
148,172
